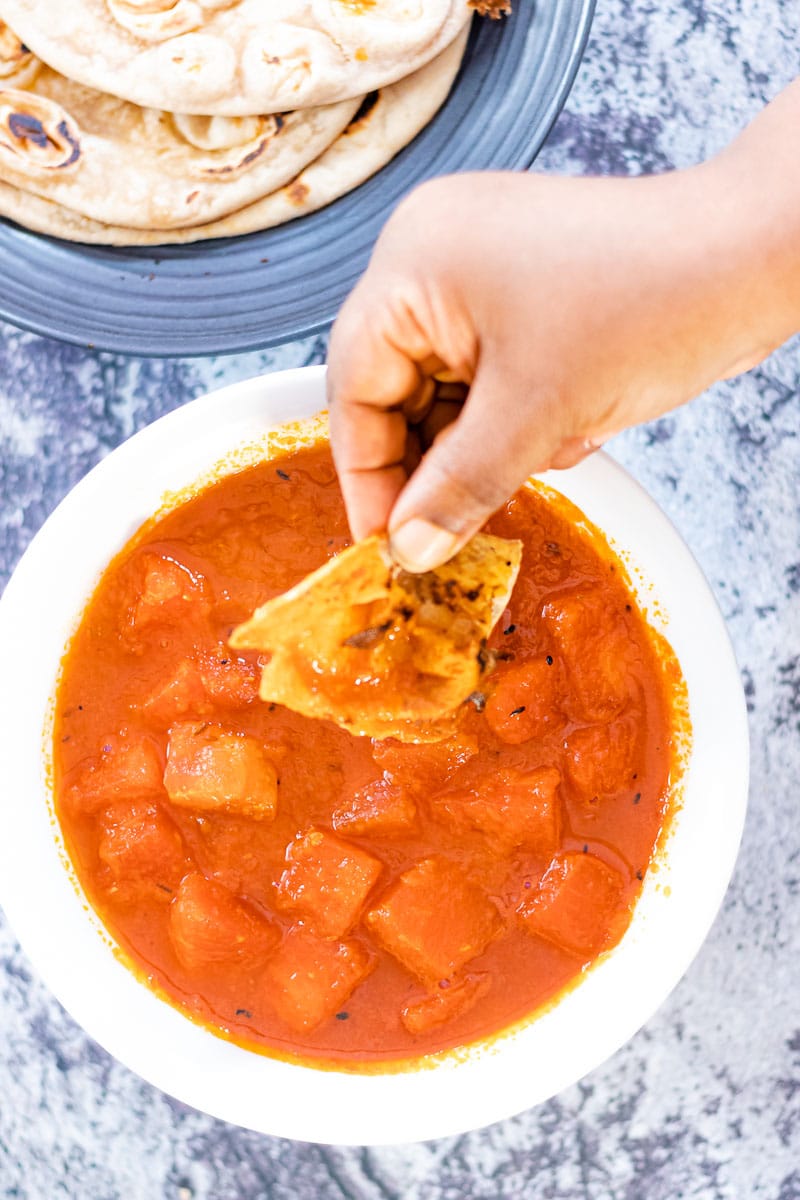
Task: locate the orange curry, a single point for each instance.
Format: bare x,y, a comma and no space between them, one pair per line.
341,899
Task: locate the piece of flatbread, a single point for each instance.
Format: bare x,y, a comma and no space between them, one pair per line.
376,649
120,164
236,57
386,122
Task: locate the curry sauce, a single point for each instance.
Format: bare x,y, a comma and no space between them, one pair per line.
342,899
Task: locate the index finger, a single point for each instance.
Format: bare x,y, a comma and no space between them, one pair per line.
374,384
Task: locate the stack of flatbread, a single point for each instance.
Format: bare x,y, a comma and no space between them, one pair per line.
145,122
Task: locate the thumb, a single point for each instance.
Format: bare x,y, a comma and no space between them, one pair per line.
471,469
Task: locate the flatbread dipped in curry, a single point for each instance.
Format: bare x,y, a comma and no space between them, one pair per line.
377,650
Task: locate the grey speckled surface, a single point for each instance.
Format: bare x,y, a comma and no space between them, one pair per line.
704,1104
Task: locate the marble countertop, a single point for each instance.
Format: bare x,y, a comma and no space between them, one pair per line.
704,1103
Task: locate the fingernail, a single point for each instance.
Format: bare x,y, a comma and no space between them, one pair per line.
419,545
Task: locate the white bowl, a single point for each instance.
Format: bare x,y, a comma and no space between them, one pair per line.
75,956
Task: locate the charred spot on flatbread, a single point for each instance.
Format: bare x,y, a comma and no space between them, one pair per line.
366,107
297,191
380,651
39,137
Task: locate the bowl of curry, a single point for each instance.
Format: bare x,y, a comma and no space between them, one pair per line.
342,938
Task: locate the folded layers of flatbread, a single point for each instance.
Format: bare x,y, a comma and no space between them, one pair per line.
117,163
385,123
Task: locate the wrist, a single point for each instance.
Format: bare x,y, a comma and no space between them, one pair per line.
757,182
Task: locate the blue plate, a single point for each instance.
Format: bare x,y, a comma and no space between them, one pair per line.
246,293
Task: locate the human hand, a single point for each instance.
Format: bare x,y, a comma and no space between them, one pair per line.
570,308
